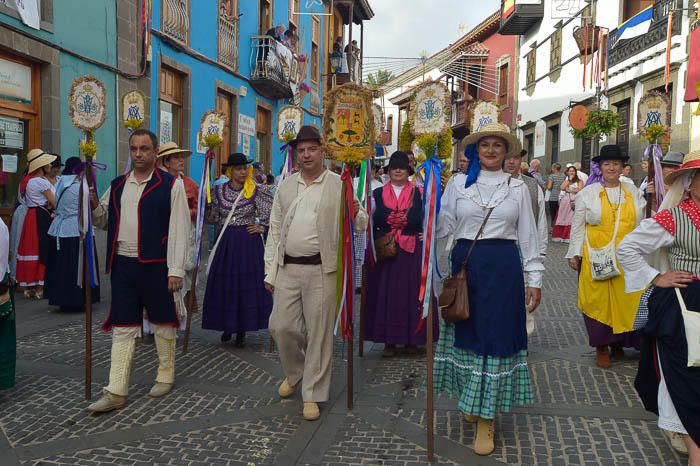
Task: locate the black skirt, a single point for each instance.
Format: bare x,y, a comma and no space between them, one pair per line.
61,282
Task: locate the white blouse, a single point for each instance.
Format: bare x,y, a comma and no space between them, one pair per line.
633,253
463,211
35,191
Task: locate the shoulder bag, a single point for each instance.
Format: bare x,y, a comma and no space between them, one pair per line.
691,322
604,260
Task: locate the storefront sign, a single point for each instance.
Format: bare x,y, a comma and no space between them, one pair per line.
87,100
246,124
484,113
289,121
653,108
11,133
15,81
540,138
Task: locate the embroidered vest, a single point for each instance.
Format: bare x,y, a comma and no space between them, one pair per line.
153,218
684,253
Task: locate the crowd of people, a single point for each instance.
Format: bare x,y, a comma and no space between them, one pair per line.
274,258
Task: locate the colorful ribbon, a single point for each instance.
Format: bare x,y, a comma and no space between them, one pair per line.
432,190
288,166
87,169
204,197
346,257
654,151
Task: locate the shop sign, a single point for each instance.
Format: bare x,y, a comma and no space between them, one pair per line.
15,81
246,124
11,133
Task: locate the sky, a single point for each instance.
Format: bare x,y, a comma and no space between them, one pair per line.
405,28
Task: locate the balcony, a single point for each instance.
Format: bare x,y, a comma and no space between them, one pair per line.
518,18
228,42
273,68
176,19
461,117
628,48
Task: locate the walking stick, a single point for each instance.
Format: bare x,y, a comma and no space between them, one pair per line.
87,304
350,368
650,179
429,363
191,306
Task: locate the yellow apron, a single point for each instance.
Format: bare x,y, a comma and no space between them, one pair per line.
606,301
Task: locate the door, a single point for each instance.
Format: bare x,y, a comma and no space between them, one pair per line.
263,138
264,16
226,104
623,131
587,145
554,131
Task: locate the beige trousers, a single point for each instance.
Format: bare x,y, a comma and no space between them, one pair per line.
304,305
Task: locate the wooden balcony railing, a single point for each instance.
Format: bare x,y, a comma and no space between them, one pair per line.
628,48
228,42
176,19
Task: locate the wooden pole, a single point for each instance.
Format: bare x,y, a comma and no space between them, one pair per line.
363,299
191,306
650,179
429,376
350,369
87,286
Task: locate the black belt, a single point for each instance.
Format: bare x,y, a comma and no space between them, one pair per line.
306,260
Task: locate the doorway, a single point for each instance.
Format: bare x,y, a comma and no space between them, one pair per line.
263,138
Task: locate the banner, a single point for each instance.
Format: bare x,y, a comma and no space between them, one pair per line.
29,12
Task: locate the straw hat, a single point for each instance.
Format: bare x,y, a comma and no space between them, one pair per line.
690,162
171,148
498,130
37,158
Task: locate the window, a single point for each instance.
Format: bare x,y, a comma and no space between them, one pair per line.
176,19
170,106
294,16
9,7
474,77
315,48
264,16
554,132
226,104
555,54
632,7
531,67
503,85
389,130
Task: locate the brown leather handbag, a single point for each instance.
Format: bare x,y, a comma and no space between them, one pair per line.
454,299
385,246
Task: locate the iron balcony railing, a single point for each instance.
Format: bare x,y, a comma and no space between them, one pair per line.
176,19
658,31
228,42
272,62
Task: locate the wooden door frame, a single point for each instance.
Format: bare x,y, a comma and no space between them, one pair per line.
235,94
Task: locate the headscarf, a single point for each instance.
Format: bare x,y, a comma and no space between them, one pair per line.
248,185
596,175
472,154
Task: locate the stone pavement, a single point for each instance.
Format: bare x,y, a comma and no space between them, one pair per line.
225,410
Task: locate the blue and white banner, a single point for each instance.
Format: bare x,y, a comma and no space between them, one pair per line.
636,26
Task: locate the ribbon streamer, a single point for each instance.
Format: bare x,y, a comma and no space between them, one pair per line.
87,169
654,151
346,257
204,196
288,165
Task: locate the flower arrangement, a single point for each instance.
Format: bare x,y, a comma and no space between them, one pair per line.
212,141
405,137
427,143
653,133
599,123
88,147
133,123
350,156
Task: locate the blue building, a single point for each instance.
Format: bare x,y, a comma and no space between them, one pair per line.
215,54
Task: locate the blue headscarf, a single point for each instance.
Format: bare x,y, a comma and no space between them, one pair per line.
472,155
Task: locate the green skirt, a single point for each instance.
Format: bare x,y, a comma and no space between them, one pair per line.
484,385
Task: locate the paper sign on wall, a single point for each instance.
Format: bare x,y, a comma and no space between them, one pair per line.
246,124
540,138
9,163
245,144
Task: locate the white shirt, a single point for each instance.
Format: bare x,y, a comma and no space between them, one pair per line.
302,237
463,211
634,250
35,191
4,249
625,179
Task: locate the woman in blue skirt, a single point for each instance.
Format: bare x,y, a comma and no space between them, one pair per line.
482,361
235,300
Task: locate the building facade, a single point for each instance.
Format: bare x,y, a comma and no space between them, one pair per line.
551,78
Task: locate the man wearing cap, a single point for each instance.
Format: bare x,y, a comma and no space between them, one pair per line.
512,166
147,220
301,259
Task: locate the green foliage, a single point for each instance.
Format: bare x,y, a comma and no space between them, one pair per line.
653,133
600,123
406,137
378,79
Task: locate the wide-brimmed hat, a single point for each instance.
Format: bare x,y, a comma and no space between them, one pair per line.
71,163
306,133
236,160
690,162
171,148
496,130
611,152
673,159
37,158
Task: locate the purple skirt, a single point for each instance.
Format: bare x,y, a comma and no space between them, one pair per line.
236,299
600,334
392,310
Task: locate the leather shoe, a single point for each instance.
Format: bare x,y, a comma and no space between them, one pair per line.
471,418
483,444
602,357
108,402
286,390
160,389
616,352
311,411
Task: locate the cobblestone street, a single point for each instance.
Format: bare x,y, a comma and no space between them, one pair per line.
225,410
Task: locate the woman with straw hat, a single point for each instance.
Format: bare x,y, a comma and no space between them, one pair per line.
34,246
171,158
482,361
606,211
235,300
668,380
65,256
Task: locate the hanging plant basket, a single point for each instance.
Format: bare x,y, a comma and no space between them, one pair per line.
587,39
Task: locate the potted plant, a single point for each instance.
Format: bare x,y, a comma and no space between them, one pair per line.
599,123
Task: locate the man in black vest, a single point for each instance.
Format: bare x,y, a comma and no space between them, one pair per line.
147,219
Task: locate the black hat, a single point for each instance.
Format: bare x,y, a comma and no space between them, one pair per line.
399,159
71,163
236,160
306,133
611,152
57,162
